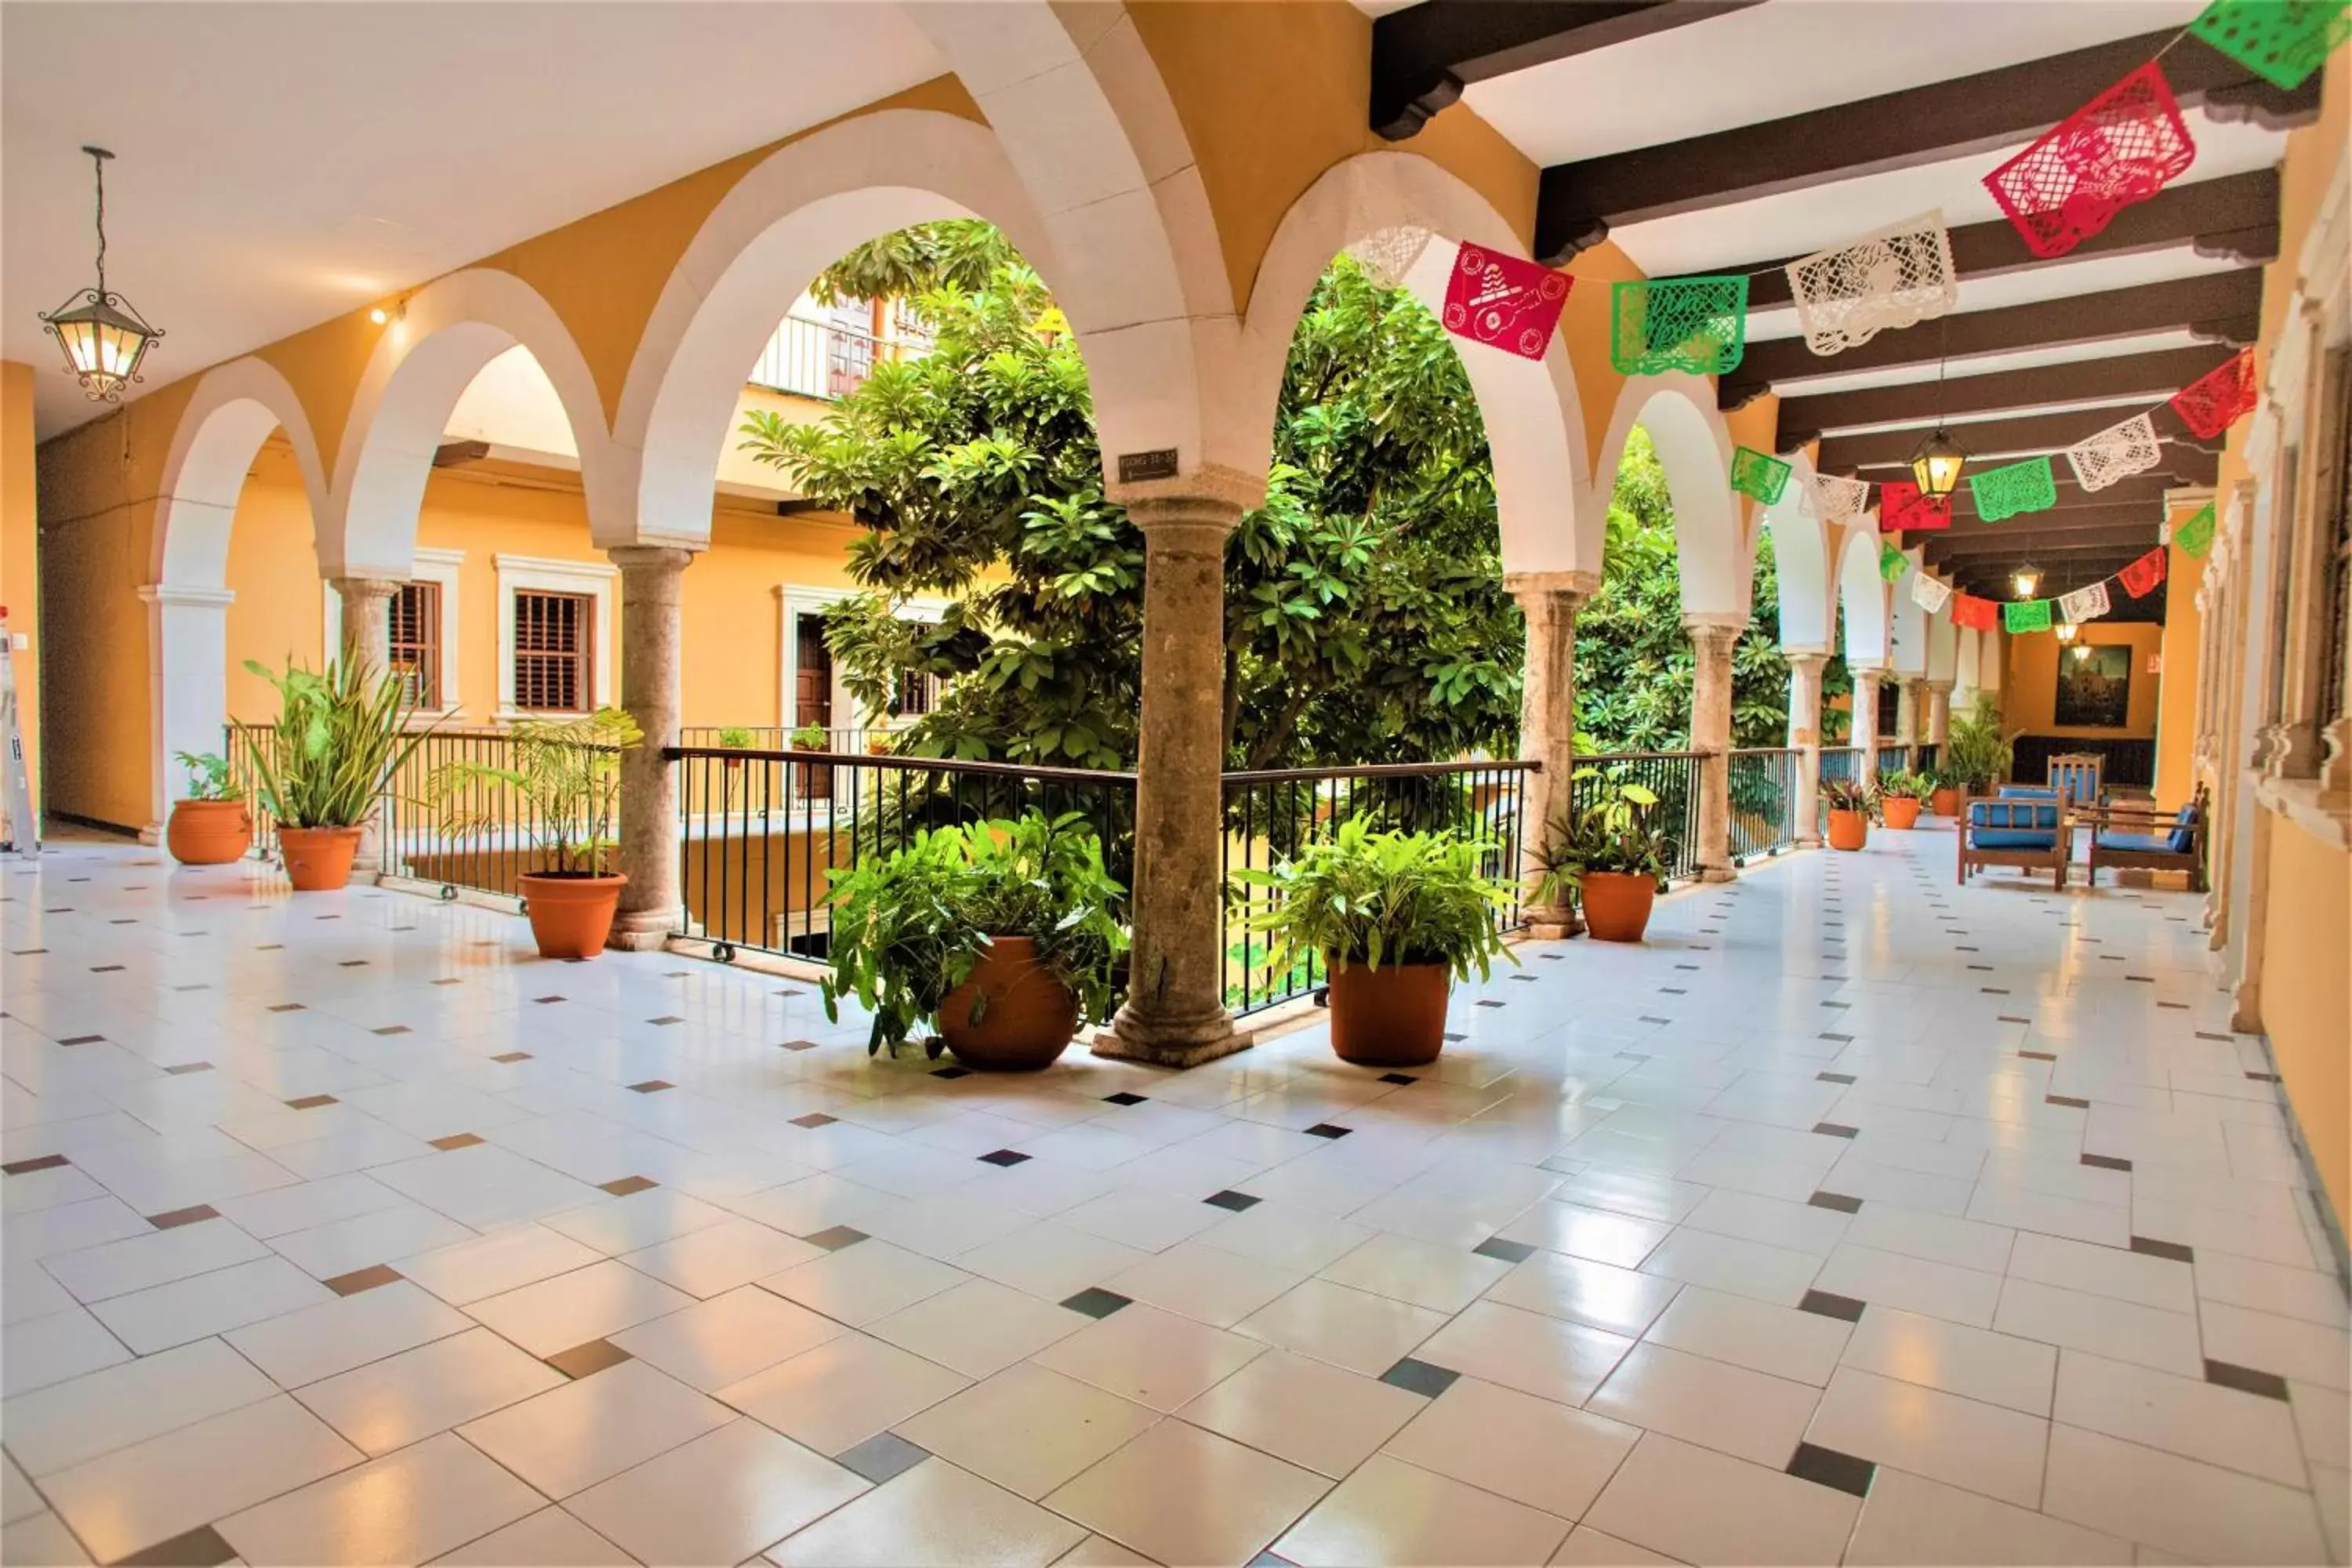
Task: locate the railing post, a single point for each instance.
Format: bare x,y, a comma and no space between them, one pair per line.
651,665
367,641
1711,643
1805,738
1549,601
1175,1014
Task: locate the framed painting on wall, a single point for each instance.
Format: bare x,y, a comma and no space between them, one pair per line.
2094,686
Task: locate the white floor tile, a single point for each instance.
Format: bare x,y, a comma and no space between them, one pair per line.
864,1282
1153,1358
2193,1418
978,1327
1743,1413
718,1499
1962,1442
1909,1521
1534,1451
389,1403
1912,1284
1699,1506
843,1392
569,1438
1936,1352
1308,1412
351,1331
933,1515
1536,1354
548,1539
727,1339
1179,1494
1028,1429
573,1308
67,1422
1393,1512
2200,1511
2102,1325
1727,1263
403,1508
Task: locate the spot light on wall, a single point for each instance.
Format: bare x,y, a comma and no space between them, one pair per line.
103,336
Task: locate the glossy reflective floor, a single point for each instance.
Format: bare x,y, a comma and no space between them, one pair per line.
1857,1217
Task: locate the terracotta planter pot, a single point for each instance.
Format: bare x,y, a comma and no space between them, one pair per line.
570,915
1902,811
1848,830
1947,803
1029,1017
318,859
1617,905
1392,1016
208,832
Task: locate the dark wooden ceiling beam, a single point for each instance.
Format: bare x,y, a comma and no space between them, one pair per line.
2180,467
1424,56
2220,306
2137,538
1965,524
2025,434
2236,217
1578,203
2150,377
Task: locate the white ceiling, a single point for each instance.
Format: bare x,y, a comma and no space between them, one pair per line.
281,164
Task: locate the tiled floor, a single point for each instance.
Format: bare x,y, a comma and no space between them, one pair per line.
1857,1217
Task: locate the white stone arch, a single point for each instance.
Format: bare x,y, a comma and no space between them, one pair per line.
427,356
220,432
1943,646
792,216
1804,561
1862,597
1080,109
1534,423
1908,623
1694,446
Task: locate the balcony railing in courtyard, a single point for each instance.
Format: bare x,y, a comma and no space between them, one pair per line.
818,359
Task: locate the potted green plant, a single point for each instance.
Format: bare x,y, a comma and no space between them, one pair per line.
1609,856
1901,795
1005,933
565,778
210,824
810,738
341,735
1851,805
1944,798
734,738
1976,753
1396,918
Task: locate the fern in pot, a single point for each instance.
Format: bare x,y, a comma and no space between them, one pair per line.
1396,918
342,733
565,783
1004,934
1610,856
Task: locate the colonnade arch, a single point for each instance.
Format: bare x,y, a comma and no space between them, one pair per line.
1695,450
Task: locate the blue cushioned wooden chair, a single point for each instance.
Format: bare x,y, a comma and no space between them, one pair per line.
2023,827
2135,838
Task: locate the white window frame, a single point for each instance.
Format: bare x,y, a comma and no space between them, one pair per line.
548,575
441,568
799,599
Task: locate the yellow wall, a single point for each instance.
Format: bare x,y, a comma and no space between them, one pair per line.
20,585
2306,996
2029,687
2184,652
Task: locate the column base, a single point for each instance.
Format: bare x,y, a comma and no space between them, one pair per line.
1552,924
1718,874
151,833
644,930
1170,1042
1809,841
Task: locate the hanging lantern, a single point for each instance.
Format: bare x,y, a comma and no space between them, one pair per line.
103,336
2026,581
2067,631
1936,464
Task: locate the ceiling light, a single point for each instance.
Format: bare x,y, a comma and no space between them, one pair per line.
103,336
2067,631
1936,465
2026,581
379,315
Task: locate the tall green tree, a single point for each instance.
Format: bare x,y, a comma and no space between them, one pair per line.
1364,616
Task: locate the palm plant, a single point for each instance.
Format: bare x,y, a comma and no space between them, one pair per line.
1976,753
566,772
341,735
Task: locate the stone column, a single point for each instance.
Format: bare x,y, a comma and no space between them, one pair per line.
1907,713
367,642
1939,713
1711,736
1175,1012
1805,737
1865,723
651,908
1549,601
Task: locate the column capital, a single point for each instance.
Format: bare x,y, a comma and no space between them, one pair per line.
1811,660
1943,686
369,587
651,557
1195,525
1210,483
1524,585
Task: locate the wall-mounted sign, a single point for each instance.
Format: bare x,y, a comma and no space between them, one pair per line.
2156,664
1134,467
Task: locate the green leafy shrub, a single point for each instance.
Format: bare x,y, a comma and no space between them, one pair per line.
1370,896
1612,832
809,737
208,776
341,735
566,777
735,738
1906,786
909,927
1976,753
1850,795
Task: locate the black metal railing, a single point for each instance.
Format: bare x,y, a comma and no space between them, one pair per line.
1923,755
1763,787
1672,776
1893,759
1841,762
762,831
1269,814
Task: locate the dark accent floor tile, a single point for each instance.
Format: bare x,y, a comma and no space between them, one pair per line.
624,1185
451,980
1685,967
171,1219
1094,1301
1528,979
833,1238
1269,1560
177,1069
1993,990
1398,1077
547,1001
1230,1199
1834,1077
1985,968
1838,1201
1671,991
2269,1385
814,1118
2175,1007
2068,1100
2171,1249
360,1280
202,1547
2009,1017
667,1019
2210,1035
1841,1006
1457,1037
310,1102
1650,1018
796,1045
285,1007
2106,1161
81,1039
351,963
882,1456
951,1072
391,1030
1421,1377
1828,1468
28,951
2038,1056
1325,1129
106,969
46,1162
1004,1157
652,1086
511,1057
1821,1303
1507,1251
1488,1002
1123,1098
1833,1129
584,1361
456,1140
2143,978
2263,1077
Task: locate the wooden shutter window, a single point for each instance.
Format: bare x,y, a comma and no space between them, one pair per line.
554,640
415,641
